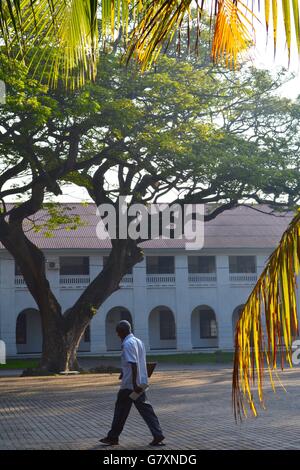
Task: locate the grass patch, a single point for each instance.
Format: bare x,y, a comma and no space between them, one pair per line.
19,364
218,357
197,358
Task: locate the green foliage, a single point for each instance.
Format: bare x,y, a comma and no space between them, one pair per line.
191,126
56,217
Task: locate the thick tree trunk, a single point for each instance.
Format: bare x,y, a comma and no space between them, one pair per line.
60,339
56,356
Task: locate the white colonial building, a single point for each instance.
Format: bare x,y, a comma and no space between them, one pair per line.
176,300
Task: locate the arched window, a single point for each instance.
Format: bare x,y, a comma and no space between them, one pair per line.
235,317
162,328
113,317
21,329
167,324
208,324
29,331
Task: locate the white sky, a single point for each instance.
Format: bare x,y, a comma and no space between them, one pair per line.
262,54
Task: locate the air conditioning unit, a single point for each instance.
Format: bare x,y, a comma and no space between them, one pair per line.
53,264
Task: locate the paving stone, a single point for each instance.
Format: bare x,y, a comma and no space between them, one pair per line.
194,407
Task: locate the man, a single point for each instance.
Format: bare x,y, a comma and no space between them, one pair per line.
134,374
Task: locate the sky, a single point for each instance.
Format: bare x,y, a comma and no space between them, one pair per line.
262,54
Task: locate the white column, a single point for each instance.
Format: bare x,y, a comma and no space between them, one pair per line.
53,275
261,261
140,312
96,265
224,312
98,345
8,315
183,314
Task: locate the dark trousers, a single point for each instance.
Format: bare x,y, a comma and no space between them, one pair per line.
122,409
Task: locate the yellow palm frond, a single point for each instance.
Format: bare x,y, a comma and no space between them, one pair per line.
232,32
268,323
160,20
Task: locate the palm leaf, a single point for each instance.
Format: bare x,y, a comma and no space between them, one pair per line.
69,28
231,32
268,323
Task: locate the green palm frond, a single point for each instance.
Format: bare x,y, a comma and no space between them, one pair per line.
62,35
268,323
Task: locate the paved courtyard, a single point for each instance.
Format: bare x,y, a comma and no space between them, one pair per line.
194,407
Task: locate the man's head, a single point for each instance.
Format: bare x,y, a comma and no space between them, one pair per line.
123,328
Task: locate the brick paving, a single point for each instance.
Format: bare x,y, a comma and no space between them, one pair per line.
194,407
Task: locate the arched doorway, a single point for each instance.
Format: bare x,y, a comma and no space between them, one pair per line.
162,329
116,314
85,342
204,327
235,317
29,332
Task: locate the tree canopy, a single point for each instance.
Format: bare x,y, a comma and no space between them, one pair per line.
197,130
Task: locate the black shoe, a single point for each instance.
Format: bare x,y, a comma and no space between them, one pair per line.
158,441
109,442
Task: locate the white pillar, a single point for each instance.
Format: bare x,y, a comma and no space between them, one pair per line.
98,345
224,302
8,315
261,261
53,274
183,314
140,312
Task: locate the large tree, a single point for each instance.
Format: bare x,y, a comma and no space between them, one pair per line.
175,129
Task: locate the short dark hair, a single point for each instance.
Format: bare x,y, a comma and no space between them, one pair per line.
124,325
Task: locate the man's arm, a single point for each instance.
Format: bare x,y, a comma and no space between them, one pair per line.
136,388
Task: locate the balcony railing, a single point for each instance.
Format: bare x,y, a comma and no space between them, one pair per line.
198,279
246,278
20,281
156,280
127,281
160,280
74,281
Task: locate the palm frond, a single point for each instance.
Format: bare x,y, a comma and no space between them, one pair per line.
160,20
70,28
268,323
232,32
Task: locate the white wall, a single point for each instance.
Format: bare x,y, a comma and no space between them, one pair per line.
139,300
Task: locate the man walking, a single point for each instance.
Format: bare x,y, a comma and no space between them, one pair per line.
134,374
